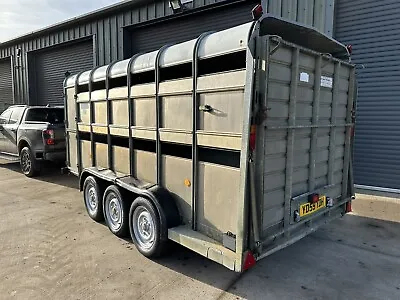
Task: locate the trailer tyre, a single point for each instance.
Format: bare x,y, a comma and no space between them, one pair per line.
116,211
29,165
145,228
92,195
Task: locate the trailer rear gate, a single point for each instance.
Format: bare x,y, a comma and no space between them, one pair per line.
305,140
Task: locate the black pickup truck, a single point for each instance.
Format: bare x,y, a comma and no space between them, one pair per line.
33,134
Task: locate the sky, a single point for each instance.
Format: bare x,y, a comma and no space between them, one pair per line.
18,17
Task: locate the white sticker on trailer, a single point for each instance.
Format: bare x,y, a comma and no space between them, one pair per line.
304,77
326,82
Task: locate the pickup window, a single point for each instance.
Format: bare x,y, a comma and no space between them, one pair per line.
49,115
16,114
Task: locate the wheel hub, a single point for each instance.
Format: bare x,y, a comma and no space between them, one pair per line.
26,162
114,212
143,228
92,198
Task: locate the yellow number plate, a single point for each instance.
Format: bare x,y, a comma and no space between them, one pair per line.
309,208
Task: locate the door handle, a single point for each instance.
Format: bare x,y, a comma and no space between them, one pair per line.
206,108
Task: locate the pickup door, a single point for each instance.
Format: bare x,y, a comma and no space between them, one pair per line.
9,122
10,129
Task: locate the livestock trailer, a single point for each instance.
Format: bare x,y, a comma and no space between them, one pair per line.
235,144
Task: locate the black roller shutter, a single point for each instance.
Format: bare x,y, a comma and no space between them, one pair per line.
373,29
152,37
6,84
48,68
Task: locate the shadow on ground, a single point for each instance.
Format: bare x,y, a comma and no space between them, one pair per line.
355,257
49,173
377,193
352,258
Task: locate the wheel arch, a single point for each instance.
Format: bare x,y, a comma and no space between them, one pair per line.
22,143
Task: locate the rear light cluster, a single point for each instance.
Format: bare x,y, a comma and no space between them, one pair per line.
253,140
314,198
48,137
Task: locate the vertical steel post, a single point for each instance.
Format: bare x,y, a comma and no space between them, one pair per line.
243,204
195,102
290,140
77,120
332,138
315,120
347,148
158,114
109,118
92,143
66,123
130,111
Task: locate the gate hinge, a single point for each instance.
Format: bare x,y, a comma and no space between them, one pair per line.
261,115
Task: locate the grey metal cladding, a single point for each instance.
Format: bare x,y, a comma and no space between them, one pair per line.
6,87
373,28
50,67
107,25
148,38
318,13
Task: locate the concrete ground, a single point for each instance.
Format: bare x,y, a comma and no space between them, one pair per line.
51,249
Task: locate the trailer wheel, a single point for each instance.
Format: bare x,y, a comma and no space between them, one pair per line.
145,228
116,211
92,195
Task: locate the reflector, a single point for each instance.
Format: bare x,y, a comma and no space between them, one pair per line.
348,207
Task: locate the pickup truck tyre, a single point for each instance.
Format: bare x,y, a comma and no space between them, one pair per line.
116,211
145,228
29,165
92,195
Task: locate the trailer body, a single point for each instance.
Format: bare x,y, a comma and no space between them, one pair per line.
247,132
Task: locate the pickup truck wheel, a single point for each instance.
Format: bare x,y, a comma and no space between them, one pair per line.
116,211
92,195
145,228
29,165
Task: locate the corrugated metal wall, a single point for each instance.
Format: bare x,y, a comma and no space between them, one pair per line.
373,28
47,70
317,13
6,91
108,30
148,38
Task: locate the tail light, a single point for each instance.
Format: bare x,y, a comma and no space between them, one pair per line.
48,137
253,137
249,261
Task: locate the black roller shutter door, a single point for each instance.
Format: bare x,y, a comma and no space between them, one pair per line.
50,66
6,84
372,28
152,37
